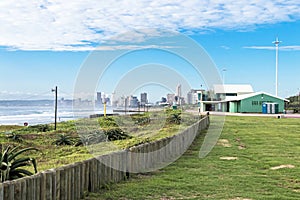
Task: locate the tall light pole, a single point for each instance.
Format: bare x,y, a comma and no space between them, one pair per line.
276,42
55,115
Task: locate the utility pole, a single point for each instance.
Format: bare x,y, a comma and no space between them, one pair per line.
55,115
276,75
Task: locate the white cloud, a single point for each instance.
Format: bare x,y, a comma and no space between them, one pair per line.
260,47
132,47
23,95
82,24
290,48
284,48
225,47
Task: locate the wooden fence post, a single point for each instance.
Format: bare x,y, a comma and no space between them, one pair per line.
17,189
123,164
23,188
92,178
6,190
43,187
37,186
128,163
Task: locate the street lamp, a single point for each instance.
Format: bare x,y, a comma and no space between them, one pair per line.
55,115
276,75
298,96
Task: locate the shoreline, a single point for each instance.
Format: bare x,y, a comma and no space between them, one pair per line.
36,119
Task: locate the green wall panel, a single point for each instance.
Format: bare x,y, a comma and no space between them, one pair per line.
254,104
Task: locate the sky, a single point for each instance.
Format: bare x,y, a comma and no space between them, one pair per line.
44,44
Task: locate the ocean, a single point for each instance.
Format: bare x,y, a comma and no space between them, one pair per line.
17,112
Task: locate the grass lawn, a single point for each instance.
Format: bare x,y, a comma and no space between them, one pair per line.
257,144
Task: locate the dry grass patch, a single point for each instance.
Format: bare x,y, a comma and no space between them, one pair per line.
282,166
228,158
224,143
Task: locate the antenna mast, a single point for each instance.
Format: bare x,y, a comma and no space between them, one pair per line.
276,83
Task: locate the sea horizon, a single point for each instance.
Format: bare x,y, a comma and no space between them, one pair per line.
18,112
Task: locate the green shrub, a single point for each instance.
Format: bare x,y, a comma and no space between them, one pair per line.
11,165
115,134
15,137
40,127
36,128
93,137
173,116
63,140
107,122
141,119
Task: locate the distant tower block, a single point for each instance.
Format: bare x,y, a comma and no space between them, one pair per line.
99,98
112,99
144,99
178,91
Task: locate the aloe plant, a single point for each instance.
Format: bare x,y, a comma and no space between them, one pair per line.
11,164
63,140
174,116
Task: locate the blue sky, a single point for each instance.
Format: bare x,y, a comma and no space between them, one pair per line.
46,43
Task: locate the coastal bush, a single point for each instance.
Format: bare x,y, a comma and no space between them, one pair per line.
11,164
93,137
40,128
81,141
63,140
107,122
173,116
115,134
34,128
141,119
15,137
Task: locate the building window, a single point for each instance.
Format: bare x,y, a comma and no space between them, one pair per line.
254,103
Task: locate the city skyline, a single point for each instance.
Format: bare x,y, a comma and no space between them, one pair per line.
41,48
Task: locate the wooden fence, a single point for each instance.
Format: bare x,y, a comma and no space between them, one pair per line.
71,181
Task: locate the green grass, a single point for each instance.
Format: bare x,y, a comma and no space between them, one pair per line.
259,143
5,128
51,156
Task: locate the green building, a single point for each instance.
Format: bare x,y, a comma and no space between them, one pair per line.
240,98
252,103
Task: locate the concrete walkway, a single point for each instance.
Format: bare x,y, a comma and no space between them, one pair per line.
257,114
281,115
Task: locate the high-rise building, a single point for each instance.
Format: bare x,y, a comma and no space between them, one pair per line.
99,98
163,100
190,97
170,98
194,96
113,100
144,99
178,91
133,101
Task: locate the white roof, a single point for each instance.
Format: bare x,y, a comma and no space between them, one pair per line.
245,96
233,88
